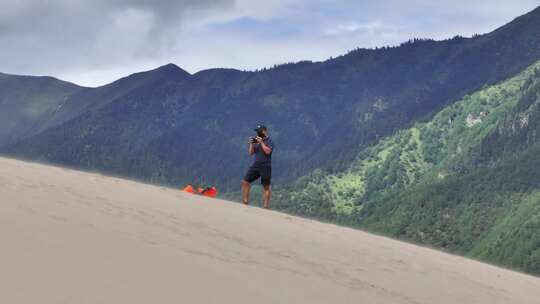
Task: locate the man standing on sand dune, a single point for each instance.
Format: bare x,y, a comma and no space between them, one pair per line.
260,146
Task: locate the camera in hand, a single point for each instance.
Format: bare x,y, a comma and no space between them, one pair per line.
260,133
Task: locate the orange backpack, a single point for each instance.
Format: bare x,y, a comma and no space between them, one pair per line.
189,188
210,192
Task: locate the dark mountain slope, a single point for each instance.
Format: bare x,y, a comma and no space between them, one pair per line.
30,105
92,99
26,100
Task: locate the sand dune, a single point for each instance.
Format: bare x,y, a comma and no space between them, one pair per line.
73,237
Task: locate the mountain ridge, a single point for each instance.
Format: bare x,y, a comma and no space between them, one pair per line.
516,22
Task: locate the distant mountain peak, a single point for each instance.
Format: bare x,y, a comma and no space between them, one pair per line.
169,71
43,79
172,68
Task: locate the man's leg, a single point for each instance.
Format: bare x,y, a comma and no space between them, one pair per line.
266,177
245,192
267,192
251,175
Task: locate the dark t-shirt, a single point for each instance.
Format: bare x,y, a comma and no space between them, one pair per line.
261,158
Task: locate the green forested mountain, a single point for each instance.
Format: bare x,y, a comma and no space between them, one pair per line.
190,128
467,180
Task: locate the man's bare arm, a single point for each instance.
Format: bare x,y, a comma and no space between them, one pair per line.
266,149
251,149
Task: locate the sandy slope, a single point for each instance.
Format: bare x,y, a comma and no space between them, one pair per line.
73,237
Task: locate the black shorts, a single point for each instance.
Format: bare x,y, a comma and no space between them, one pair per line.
253,173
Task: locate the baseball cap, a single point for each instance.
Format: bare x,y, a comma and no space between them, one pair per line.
260,127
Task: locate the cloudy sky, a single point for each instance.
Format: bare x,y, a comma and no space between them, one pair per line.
93,42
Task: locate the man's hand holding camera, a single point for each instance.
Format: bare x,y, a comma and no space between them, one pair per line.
256,140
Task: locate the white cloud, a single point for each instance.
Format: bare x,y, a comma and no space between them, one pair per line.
345,28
